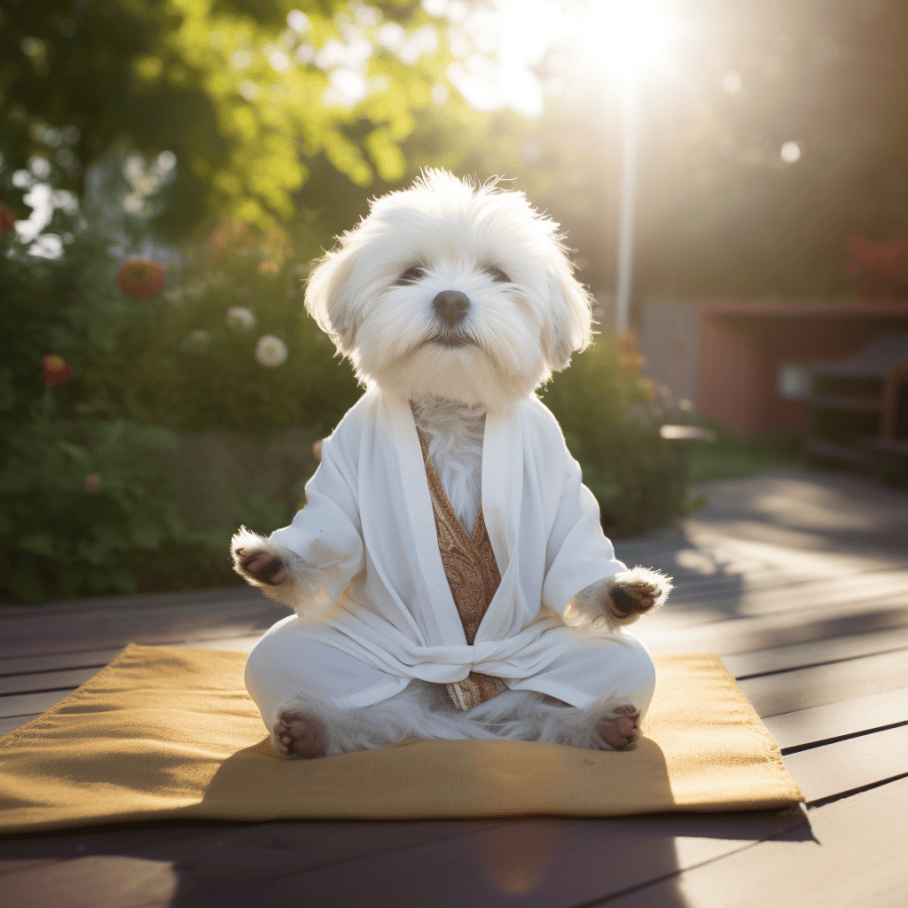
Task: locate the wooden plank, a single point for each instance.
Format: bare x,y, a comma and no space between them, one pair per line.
114,881
871,589
801,689
68,679
816,652
844,766
19,852
240,592
846,717
536,862
724,585
742,635
11,723
96,658
840,542
261,848
172,870
31,704
856,857
43,634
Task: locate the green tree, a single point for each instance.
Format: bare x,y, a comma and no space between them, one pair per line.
243,93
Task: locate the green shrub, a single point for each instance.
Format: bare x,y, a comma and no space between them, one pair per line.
81,493
611,418
228,346
89,404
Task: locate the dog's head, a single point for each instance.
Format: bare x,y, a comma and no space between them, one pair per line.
451,290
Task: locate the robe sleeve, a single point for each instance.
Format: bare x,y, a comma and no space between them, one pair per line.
327,533
578,552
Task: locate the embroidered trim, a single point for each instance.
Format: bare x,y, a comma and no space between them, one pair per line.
476,688
473,577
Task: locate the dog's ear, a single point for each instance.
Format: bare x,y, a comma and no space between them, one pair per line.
330,300
567,327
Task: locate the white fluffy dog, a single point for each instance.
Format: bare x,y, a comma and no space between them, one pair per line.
454,303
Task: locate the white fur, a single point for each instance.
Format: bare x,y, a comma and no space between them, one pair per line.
420,712
454,433
521,331
517,331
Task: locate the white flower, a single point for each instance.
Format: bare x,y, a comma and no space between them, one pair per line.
271,351
197,341
240,317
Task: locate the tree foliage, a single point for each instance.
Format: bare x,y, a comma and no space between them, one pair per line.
242,93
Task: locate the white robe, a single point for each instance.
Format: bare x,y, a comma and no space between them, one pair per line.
369,529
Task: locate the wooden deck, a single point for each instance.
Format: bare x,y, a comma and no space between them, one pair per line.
798,581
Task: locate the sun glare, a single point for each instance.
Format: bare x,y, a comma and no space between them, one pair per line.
510,38
626,36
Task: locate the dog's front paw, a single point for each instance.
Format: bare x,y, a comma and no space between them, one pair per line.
633,593
264,567
278,572
634,599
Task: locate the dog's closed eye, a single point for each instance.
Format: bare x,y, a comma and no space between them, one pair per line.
411,275
497,274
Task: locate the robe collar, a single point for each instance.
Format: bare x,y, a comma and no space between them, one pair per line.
502,484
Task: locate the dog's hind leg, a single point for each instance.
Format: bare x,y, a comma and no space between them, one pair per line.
593,694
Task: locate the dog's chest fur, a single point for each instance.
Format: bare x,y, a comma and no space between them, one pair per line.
454,432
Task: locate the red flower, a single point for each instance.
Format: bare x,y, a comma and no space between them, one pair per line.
7,219
141,279
56,370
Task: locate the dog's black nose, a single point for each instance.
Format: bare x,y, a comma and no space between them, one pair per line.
451,305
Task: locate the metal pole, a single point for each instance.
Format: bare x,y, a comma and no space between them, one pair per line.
628,187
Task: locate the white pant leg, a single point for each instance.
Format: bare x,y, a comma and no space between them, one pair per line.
597,677
361,707
603,668
290,667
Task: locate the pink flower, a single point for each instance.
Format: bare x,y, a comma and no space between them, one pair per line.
7,219
141,279
92,483
56,370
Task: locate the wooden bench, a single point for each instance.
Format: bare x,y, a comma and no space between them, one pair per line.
863,402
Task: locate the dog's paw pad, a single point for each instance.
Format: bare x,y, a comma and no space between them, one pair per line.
619,730
632,599
300,735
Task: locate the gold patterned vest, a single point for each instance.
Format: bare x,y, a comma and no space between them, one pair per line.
473,577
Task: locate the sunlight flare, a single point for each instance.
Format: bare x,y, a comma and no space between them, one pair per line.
627,37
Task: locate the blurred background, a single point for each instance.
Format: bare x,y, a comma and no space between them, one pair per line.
733,179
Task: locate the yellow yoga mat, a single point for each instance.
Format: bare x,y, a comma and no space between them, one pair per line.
170,733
